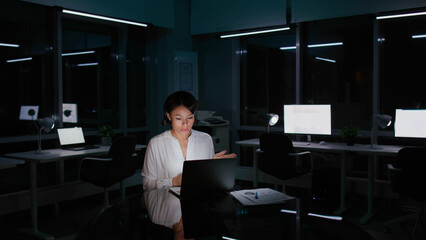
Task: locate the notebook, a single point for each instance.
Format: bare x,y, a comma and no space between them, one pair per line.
73,139
206,178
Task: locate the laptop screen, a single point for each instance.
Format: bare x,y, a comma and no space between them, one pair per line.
68,136
210,177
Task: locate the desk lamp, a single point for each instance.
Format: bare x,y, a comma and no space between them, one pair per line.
46,124
382,121
272,119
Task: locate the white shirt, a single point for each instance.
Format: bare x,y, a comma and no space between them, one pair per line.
164,158
163,207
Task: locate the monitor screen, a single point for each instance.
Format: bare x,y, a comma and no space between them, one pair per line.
307,119
69,136
410,123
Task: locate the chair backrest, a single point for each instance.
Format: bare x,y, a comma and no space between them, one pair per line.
409,180
122,164
275,159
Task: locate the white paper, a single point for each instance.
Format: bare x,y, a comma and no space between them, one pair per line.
260,196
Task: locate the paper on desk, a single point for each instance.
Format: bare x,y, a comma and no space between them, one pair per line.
247,197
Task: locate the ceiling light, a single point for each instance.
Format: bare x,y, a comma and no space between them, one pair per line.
19,60
401,15
288,48
104,18
255,32
288,211
337,218
8,45
86,64
325,59
419,36
77,53
325,44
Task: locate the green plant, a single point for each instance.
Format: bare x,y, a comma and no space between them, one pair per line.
349,131
105,131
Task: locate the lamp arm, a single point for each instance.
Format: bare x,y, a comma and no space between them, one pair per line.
39,140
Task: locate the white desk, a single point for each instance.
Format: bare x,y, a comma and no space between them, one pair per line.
51,155
342,149
9,162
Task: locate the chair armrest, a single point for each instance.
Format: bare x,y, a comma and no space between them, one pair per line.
392,168
96,159
299,153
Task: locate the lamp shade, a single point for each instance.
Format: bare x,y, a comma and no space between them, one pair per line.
46,124
272,118
384,121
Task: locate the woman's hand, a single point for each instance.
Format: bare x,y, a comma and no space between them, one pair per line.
177,181
223,155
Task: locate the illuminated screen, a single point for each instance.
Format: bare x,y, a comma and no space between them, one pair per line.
69,136
410,123
307,119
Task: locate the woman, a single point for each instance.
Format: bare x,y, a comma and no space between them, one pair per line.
167,151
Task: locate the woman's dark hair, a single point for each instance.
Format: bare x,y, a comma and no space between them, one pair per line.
176,99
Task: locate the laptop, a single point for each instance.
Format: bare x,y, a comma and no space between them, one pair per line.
206,178
73,139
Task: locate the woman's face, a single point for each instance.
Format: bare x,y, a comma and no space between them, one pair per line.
182,121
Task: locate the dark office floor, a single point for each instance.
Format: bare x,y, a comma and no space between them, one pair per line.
75,217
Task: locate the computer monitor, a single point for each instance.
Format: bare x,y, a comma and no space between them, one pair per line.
410,123
311,119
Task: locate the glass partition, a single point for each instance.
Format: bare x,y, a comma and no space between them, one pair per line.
267,76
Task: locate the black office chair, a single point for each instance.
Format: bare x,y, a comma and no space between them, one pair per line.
407,177
105,172
278,157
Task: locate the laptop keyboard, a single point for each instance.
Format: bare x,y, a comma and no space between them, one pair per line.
85,147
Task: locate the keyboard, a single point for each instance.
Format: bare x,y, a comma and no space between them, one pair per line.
79,148
301,143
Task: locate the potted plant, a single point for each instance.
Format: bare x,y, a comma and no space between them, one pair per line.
349,133
106,133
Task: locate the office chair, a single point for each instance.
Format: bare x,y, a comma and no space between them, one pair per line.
278,157
407,177
105,172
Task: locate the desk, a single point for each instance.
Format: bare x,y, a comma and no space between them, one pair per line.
343,149
9,162
225,218
46,156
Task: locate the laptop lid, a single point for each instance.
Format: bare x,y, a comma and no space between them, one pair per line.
71,136
209,177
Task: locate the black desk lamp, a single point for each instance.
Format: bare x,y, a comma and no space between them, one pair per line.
382,121
272,119
45,124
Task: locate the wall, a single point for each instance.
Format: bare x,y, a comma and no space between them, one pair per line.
159,12
161,44
209,16
309,10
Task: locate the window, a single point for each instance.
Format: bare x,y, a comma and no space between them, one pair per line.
136,88
402,64
103,71
90,79
25,66
268,73
340,74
